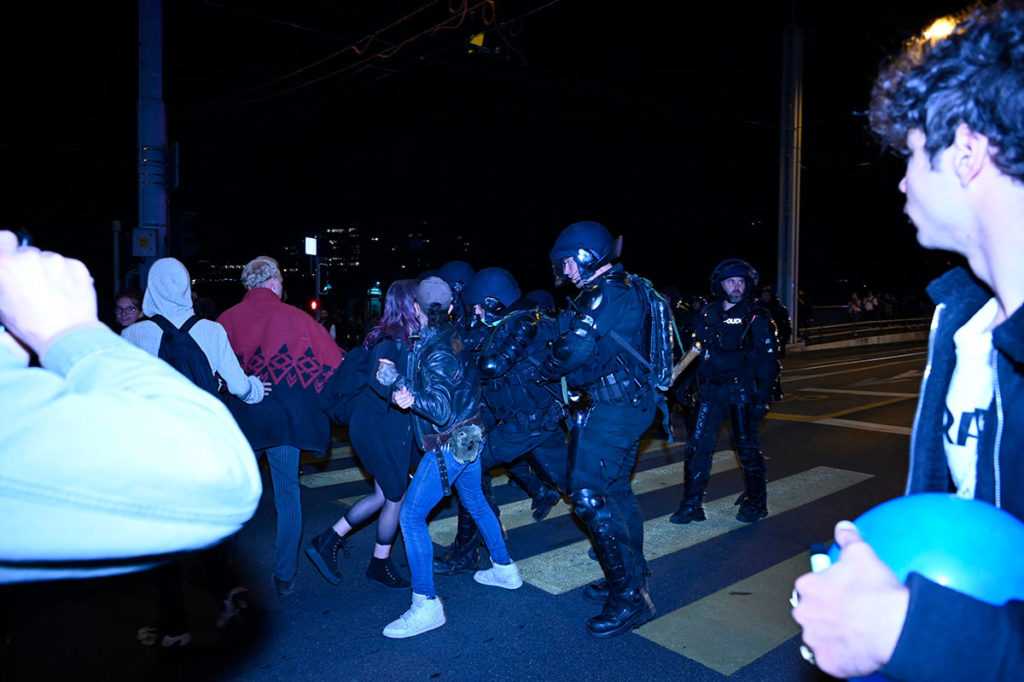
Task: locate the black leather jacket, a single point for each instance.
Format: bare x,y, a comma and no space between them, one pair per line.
444,380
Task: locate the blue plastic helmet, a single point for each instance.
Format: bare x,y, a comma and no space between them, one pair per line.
457,273
493,289
590,244
542,299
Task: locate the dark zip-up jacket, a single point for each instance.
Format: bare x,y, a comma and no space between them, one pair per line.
947,635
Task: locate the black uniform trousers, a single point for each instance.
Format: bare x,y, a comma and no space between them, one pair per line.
603,462
714,404
508,442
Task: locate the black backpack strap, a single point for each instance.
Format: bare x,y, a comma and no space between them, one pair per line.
621,340
190,322
163,323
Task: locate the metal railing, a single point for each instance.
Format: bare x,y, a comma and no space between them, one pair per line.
852,330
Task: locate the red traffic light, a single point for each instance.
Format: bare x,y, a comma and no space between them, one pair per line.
314,304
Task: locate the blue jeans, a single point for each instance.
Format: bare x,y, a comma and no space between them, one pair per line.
284,475
424,493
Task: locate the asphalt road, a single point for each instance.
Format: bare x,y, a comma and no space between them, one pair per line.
836,446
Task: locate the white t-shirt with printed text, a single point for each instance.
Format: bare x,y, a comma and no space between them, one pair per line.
970,394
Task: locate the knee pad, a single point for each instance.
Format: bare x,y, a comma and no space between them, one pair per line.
590,506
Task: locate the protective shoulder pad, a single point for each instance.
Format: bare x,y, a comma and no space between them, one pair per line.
524,326
590,298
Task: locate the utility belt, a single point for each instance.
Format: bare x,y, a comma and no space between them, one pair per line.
722,381
539,420
617,387
734,389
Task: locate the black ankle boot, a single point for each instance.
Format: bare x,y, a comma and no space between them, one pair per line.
543,502
753,502
455,560
383,572
689,510
323,552
624,610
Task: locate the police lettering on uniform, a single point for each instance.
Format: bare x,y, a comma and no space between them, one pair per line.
522,416
735,379
590,354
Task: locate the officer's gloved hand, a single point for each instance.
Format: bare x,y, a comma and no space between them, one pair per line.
759,409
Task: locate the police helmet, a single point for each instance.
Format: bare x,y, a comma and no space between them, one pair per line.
457,274
542,300
588,243
733,267
493,289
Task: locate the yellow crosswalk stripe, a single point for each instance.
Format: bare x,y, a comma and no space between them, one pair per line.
559,570
735,626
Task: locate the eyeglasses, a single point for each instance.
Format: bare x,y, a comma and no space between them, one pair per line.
126,309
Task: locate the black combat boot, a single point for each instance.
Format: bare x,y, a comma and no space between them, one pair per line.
692,507
626,608
598,590
323,552
628,605
753,501
463,555
543,502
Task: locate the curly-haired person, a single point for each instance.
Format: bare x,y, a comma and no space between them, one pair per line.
954,107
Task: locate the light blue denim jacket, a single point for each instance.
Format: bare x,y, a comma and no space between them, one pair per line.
109,458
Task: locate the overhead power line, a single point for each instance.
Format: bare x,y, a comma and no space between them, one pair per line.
458,16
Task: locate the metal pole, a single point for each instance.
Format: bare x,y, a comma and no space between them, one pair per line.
790,145
117,256
152,127
316,262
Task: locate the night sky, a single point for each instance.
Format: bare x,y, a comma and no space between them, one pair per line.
661,122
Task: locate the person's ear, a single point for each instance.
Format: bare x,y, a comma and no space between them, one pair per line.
970,153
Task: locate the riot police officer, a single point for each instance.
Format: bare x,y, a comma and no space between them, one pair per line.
735,378
608,314
521,415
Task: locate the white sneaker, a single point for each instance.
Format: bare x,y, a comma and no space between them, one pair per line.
500,576
424,614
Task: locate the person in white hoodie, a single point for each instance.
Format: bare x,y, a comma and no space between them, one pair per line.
169,293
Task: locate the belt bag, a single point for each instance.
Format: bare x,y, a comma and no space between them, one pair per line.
464,443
